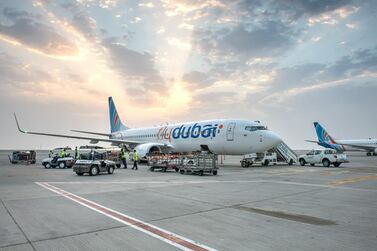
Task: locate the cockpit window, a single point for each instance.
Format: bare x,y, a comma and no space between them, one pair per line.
255,128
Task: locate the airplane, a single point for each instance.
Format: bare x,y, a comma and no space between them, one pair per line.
325,140
220,136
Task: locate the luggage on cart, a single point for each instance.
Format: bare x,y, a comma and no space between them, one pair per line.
199,163
163,162
23,157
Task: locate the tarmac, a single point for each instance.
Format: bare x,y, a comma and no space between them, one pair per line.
257,208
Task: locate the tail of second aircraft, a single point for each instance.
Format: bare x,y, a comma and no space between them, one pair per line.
323,136
115,122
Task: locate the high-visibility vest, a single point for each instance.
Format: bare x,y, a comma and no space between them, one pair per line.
122,155
135,156
62,153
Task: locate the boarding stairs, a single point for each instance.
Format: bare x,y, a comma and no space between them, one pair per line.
285,153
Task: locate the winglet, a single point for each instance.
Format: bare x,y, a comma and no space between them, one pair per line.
18,126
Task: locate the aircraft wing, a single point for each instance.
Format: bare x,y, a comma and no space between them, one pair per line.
94,133
92,140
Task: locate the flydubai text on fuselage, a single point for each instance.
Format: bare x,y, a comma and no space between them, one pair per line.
222,136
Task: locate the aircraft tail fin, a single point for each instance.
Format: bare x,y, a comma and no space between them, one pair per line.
115,122
322,134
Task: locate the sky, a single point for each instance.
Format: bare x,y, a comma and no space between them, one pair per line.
286,63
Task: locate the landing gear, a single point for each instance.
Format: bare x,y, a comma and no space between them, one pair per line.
369,154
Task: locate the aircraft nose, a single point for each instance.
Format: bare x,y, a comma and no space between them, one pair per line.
272,139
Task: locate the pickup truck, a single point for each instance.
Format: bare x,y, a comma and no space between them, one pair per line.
325,157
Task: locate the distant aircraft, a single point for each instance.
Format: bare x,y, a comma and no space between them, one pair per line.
222,136
325,140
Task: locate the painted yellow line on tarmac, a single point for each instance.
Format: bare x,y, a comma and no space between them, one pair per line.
353,180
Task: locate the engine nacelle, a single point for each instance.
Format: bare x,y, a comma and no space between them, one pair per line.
145,149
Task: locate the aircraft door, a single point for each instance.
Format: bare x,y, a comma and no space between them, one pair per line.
230,131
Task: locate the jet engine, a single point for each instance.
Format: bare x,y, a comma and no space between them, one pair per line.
145,149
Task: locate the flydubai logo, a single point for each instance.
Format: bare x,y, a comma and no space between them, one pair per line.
116,120
193,131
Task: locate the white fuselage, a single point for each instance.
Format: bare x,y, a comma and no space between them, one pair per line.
358,142
234,137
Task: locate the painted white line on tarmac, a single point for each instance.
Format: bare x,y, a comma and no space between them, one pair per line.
156,232
216,182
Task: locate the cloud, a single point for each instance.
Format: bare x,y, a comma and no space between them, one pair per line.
196,79
33,34
137,69
15,73
358,68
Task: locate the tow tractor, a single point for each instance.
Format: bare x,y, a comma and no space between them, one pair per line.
22,157
56,161
93,163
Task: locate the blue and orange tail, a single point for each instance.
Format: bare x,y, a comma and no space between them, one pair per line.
115,122
322,135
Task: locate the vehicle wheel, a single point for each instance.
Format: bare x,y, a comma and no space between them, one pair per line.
369,154
79,174
302,162
152,169
48,165
312,164
62,165
266,162
337,164
176,169
290,162
326,163
110,170
182,171
93,171
118,165
201,172
164,169
190,162
243,164
214,172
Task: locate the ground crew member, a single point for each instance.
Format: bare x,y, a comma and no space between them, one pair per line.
76,153
62,153
135,158
123,158
50,154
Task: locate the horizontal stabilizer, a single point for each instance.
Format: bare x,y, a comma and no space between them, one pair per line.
312,141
